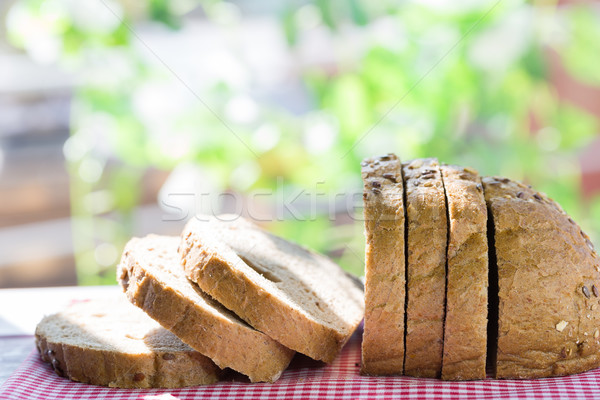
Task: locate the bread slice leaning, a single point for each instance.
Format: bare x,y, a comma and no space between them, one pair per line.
151,275
427,231
465,328
383,338
549,285
109,342
299,298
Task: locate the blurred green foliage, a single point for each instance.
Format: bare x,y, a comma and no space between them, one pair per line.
461,83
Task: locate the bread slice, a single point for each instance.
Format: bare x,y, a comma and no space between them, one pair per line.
152,277
549,282
383,338
465,329
109,342
299,298
426,267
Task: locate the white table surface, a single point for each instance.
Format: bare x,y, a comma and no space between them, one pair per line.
22,309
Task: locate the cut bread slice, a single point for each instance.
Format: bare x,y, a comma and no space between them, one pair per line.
299,298
465,329
427,230
383,338
152,277
548,280
112,343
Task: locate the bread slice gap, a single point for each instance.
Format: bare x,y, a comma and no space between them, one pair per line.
298,297
446,346
465,325
152,277
405,202
112,343
548,285
426,283
492,327
385,261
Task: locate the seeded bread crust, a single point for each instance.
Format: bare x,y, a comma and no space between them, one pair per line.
465,329
299,298
426,268
548,278
112,343
383,337
151,275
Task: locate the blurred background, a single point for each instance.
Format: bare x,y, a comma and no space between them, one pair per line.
122,118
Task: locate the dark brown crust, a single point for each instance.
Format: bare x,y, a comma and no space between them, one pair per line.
465,328
221,273
383,338
114,369
233,345
548,324
426,269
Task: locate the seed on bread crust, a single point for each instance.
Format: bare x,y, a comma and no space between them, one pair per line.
563,353
56,367
139,377
561,325
586,291
376,184
390,177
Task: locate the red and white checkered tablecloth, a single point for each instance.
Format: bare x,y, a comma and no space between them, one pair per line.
306,379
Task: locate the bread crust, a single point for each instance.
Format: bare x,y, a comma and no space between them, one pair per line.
153,279
383,337
426,269
101,363
548,278
465,327
300,298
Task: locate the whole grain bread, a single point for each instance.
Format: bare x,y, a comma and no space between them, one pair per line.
383,337
549,282
152,277
112,343
297,297
465,328
426,268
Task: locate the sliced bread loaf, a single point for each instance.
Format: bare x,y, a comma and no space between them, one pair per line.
299,298
549,281
112,343
152,277
465,329
383,338
427,231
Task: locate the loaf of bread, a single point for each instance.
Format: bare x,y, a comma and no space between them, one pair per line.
297,297
427,234
492,266
548,285
112,343
152,277
465,328
383,338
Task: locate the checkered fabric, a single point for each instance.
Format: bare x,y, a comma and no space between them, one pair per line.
306,379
